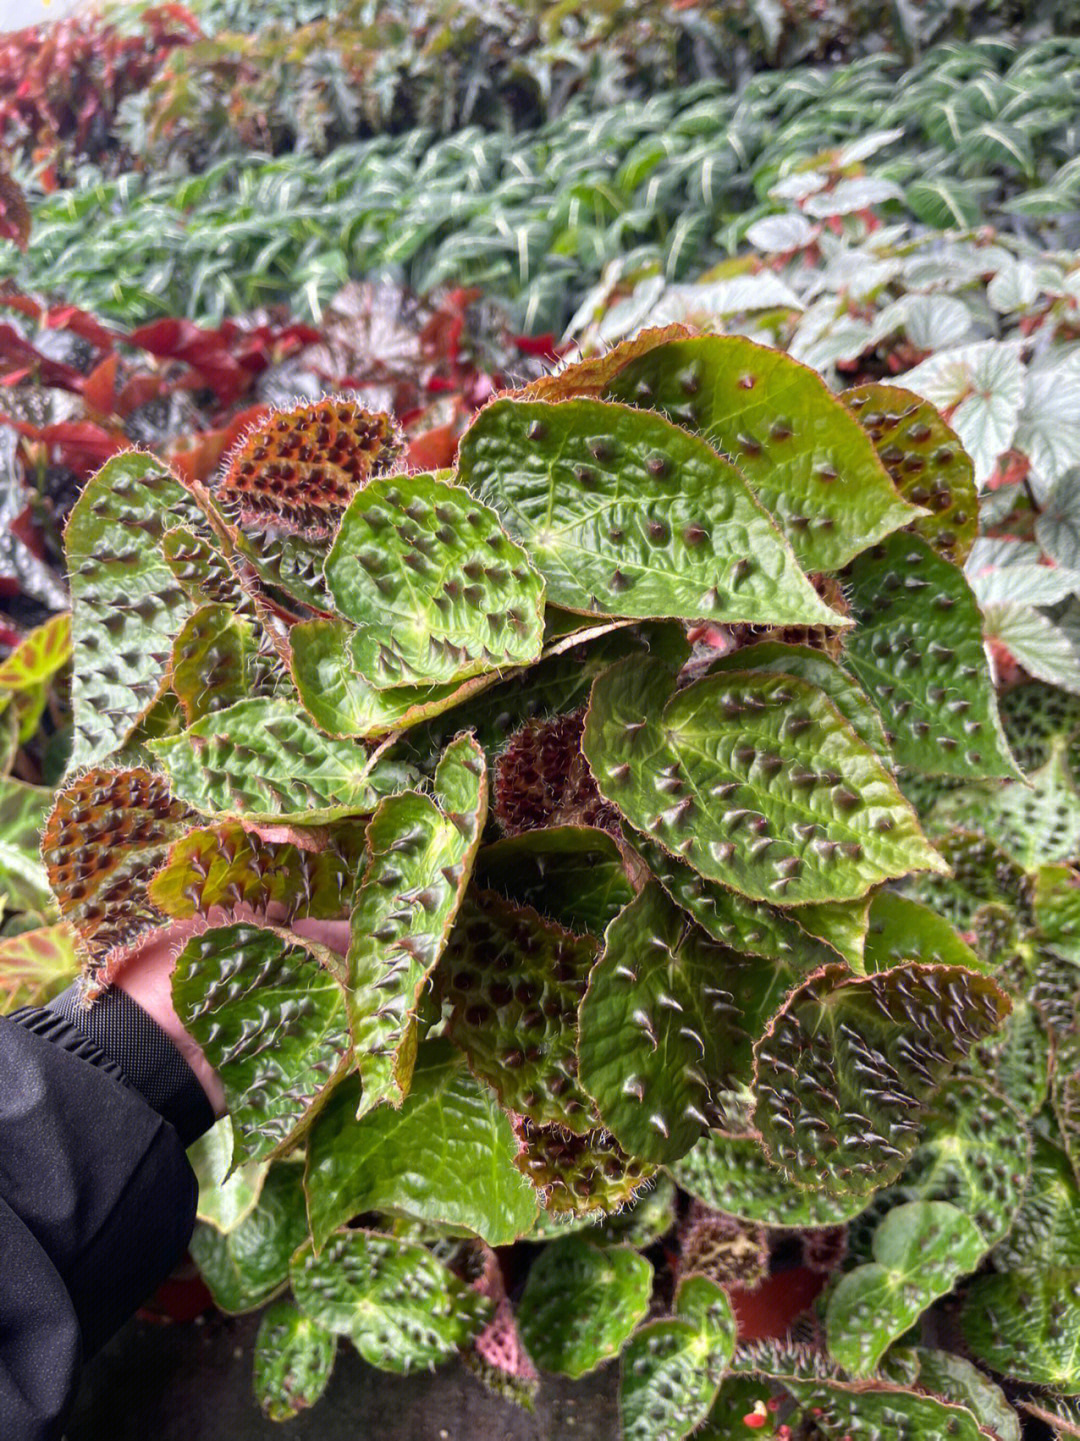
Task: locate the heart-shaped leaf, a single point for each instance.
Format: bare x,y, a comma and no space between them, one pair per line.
671,1370
626,514
422,851
849,1065
756,780
127,606
400,1307
920,1250
918,650
271,1021
806,456
926,462
446,1157
249,1263
437,590
581,1302
264,760
293,1361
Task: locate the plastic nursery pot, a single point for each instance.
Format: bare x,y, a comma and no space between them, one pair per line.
768,1312
180,1297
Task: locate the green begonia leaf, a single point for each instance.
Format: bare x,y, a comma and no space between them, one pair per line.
23,811
808,459
751,926
648,1218
815,667
398,1304
271,1021
581,1302
918,650
884,1413
667,1024
1056,902
264,760
38,656
902,929
981,873
955,1379
1016,1062
926,461
849,1064
755,780
671,1370
437,590
626,514
920,1250
127,605
579,1175
1027,1327
842,925
246,1265
446,1157
36,965
513,982
574,874
293,1361
342,703
1033,715
422,851
216,662
1047,1229
732,1174
224,1200
204,571
1034,823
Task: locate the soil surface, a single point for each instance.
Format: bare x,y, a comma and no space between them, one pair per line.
192,1382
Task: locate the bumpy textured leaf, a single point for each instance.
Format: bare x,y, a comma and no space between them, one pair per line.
446,1157
574,874
885,1413
590,377
902,929
626,514
23,809
514,982
226,865
1016,1062
249,1263
107,834
926,461
756,780
806,456
293,1360
298,468
578,1175
542,779
732,1174
920,1250
918,650
849,1064
974,1152
224,1200
1033,715
1034,823
744,925
263,760
843,925
671,1370
399,1306
342,703
667,1023
271,1020
1027,1327
981,873
1047,1228
217,661
816,667
290,567
647,1219
955,1379
437,590
203,570
581,1302
422,852
127,605
1056,901
36,965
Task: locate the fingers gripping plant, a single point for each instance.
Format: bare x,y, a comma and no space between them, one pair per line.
592,748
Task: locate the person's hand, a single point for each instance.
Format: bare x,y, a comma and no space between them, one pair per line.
146,976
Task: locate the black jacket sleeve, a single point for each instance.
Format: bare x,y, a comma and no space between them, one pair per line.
97,1199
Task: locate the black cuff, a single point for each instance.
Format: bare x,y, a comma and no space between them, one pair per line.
117,1035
